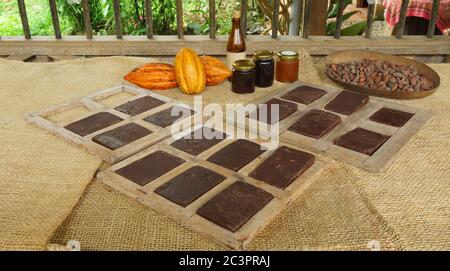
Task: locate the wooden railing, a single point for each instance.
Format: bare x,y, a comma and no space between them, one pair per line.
151,44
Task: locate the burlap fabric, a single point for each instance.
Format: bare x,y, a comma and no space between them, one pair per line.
406,206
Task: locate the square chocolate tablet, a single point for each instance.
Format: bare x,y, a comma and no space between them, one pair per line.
189,185
93,123
391,117
347,102
315,123
284,110
235,205
304,94
121,136
283,167
139,106
237,154
165,118
150,167
199,141
361,140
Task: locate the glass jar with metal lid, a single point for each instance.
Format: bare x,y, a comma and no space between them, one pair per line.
243,79
265,68
287,66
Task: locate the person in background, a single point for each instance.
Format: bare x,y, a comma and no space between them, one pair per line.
418,16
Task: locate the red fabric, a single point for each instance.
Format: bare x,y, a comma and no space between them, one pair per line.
418,8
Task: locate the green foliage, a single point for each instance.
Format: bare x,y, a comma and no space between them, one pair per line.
352,30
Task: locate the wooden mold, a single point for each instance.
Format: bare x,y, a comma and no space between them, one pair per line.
378,154
111,128
221,202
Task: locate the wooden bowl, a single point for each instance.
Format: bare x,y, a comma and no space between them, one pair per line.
359,55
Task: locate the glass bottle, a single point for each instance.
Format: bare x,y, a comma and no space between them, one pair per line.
236,43
287,66
265,68
243,79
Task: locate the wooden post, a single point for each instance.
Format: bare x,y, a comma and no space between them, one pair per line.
296,13
180,19
212,19
370,14
432,22
244,17
87,19
318,22
341,4
401,23
118,19
24,19
275,14
306,18
55,19
149,18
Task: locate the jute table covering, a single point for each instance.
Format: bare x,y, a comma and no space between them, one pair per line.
46,193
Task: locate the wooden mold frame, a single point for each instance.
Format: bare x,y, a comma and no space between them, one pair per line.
187,216
382,157
93,105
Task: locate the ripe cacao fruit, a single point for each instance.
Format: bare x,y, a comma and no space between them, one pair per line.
216,70
190,71
157,76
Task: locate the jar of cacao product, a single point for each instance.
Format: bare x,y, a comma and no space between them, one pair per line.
243,78
287,66
265,68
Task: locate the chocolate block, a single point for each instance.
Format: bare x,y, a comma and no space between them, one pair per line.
391,117
164,118
139,106
93,123
189,185
150,167
315,123
347,102
121,136
199,141
283,167
237,154
304,94
235,205
284,109
361,140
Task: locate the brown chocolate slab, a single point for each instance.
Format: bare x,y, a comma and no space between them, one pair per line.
304,94
93,123
391,117
199,141
237,154
164,118
139,106
283,167
189,185
235,205
121,136
285,109
361,140
347,102
150,167
315,123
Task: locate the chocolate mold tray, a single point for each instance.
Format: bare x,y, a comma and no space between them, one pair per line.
348,126
207,188
111,128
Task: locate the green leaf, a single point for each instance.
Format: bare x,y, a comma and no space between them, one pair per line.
335,9
355,29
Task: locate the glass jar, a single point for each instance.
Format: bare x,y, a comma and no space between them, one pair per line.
287,66
265,68
243,78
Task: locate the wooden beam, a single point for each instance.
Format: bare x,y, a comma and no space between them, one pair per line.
24,19
341,6
275,14
370,14
432,22
212,19
318,22
55,19
169,45
149,18
401,23
180,19
118,19
87,19
306,18
244,17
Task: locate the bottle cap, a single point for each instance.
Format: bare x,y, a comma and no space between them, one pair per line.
263,54
288,55
244,65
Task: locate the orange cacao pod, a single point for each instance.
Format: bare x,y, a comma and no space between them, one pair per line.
190,71
157,76
216,71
